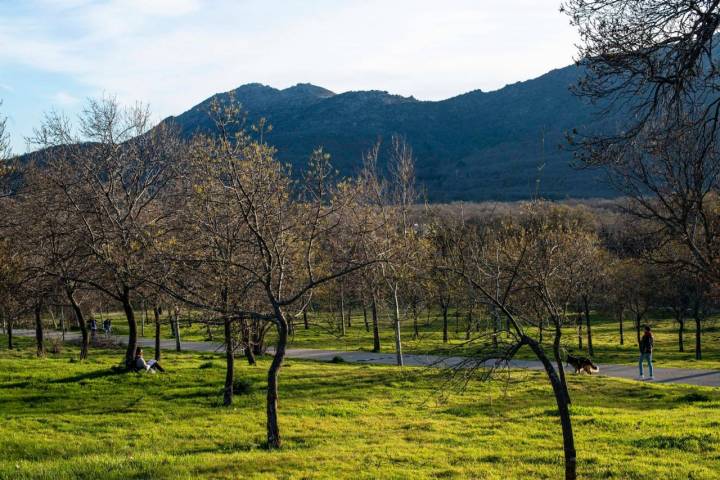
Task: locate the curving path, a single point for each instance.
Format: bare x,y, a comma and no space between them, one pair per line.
690,376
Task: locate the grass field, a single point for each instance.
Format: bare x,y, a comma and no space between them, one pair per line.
324,333
65,419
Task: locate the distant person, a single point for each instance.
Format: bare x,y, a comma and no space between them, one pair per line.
107,327
647,342
93,329
140,363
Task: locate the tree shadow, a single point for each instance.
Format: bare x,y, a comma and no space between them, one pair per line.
92,375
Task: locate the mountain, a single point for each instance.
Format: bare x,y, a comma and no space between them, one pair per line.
500,145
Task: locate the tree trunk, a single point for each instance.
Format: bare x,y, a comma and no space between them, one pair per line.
579,332
681,331
622,329
445,322
247,343
468,327
273,428
39,333
563,410
342,309
143,320
559,361
638,319
586,304
349,316
305,319
10,333
156,313
367,325
342,319
376,329
229,362
85,342
457,320
398,341
176,316
698,339
416,330
132,329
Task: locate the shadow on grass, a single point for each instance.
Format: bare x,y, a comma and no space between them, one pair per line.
92,375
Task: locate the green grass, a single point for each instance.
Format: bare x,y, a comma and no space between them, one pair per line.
61,418
324,333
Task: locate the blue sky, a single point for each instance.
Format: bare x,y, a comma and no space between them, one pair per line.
172,54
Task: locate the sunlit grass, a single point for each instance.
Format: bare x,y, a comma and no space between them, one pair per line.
67,419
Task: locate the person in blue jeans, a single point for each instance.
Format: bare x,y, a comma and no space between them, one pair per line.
647,342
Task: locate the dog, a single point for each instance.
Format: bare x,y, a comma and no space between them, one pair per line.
582,364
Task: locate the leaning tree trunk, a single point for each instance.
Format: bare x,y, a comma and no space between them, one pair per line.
563,410
376,328
398,340
273,428
132,329
156,313
558,360
229,362
39,333
85,341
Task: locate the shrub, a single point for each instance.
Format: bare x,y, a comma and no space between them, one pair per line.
55,345
694,397
242,386
338,359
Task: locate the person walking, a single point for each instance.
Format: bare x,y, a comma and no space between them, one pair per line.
93,330
647,342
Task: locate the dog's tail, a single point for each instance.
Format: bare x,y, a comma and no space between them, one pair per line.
594,368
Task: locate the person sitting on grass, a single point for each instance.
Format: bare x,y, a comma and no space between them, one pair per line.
141,365
647,343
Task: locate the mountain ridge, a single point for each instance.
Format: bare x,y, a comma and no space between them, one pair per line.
476,146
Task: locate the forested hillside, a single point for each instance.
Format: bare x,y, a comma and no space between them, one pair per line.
501,145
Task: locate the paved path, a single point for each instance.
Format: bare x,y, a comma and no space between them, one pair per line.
690,376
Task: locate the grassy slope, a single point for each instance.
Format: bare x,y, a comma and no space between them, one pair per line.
61,419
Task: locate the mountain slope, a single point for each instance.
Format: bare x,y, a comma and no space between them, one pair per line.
501,145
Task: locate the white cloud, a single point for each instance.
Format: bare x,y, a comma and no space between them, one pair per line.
174,53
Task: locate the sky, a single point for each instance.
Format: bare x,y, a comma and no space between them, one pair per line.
172,54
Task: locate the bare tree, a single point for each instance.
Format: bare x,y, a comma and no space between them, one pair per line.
651,64
527,270
284,225
114,174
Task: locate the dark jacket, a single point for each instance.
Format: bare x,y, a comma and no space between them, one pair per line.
646,344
